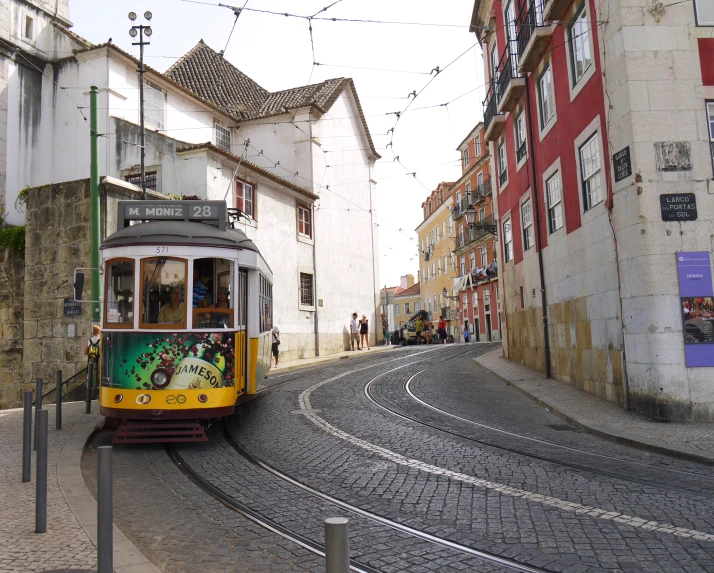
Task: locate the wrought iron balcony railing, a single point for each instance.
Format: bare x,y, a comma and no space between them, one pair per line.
483,227
508,66
490,104
529,18
521,151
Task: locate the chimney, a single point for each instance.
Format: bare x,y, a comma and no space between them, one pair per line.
407,281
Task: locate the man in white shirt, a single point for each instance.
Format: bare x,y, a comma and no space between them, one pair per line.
354,332
276,343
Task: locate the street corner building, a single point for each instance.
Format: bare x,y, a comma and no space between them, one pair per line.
600,119
211,133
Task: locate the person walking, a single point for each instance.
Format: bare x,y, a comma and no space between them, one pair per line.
276,343
364,332
354,332
442,330
92,350
418,326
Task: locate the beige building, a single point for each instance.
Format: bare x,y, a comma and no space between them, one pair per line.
436,258
399,303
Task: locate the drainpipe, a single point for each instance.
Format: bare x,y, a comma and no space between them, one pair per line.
314,255
94,200
536,201
377,325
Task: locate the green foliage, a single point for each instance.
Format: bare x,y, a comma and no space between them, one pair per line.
21,200
13,238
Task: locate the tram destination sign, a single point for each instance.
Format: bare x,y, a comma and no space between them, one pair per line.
678,206
211,212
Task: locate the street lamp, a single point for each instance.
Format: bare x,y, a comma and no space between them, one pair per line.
445,294
141,30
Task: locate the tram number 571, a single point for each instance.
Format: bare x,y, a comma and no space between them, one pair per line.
162,250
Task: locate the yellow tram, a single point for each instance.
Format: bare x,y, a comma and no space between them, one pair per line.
186,319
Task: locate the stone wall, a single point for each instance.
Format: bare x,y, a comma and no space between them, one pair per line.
12,270
57,241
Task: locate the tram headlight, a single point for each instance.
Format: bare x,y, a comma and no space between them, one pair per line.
160,378
202,398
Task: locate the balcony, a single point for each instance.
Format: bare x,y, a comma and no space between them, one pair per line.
493,121
486,226
482,191
510,82
555,9
459,209
533,35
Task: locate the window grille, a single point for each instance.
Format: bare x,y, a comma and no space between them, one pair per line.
223,137
306,296
151,178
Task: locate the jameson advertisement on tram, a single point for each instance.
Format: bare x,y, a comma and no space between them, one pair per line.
171,361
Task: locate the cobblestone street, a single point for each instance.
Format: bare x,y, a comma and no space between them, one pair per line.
438,464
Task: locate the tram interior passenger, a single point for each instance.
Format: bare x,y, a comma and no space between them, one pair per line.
163,291
212,287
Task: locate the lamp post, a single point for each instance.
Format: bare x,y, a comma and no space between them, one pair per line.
141,30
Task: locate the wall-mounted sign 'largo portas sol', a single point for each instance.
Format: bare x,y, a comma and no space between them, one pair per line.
697,303
678,206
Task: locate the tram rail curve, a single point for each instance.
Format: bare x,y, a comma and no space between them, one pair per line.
315,546
523,452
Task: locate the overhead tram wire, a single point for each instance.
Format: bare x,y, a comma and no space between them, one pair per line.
237,12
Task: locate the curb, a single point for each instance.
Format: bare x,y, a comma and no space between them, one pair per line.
127,557
607,433
376,349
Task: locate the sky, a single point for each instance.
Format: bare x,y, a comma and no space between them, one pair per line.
387,62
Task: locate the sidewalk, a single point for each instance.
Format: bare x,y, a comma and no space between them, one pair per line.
71,509
690,441
290,365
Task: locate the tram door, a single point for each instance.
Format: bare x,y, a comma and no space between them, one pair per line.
242,341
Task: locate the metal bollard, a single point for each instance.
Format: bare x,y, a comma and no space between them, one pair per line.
105,511
58,401
41,485
337,545
38,406
90,380
27,437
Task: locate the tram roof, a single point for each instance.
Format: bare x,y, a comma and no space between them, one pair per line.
186,233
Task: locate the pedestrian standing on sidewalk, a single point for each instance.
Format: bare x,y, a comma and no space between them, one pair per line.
364,331
354,332
418,326
442,330
466,333
92,349
276,343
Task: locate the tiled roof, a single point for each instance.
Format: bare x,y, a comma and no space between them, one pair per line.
209,75
414,290
248,165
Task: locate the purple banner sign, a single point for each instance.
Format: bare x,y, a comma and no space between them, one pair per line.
696,293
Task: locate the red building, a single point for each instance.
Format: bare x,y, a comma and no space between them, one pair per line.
475,230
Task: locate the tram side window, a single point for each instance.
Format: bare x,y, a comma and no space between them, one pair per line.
163,286
213,293
266,304
119,294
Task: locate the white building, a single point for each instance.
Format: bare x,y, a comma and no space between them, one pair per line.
299,162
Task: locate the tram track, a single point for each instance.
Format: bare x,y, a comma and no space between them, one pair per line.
522,452
311,545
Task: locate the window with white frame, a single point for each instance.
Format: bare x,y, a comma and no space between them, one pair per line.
245,198
590,173
304,220
481,214
520,126
438,235
579,45
443,229
453,264
433,270
546,96
451,225
527,224
704,12
479,181
441,300
445,264
396,309
406,308
477,145
417,307
554,198
507,240
463,265
710,121
468,188
223,137
29,28
502,165
154,106
439,267
475,300
427,272
466,156
472,259
466,301
435,307
484,256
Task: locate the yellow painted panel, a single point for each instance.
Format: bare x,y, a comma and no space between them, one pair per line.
166,399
